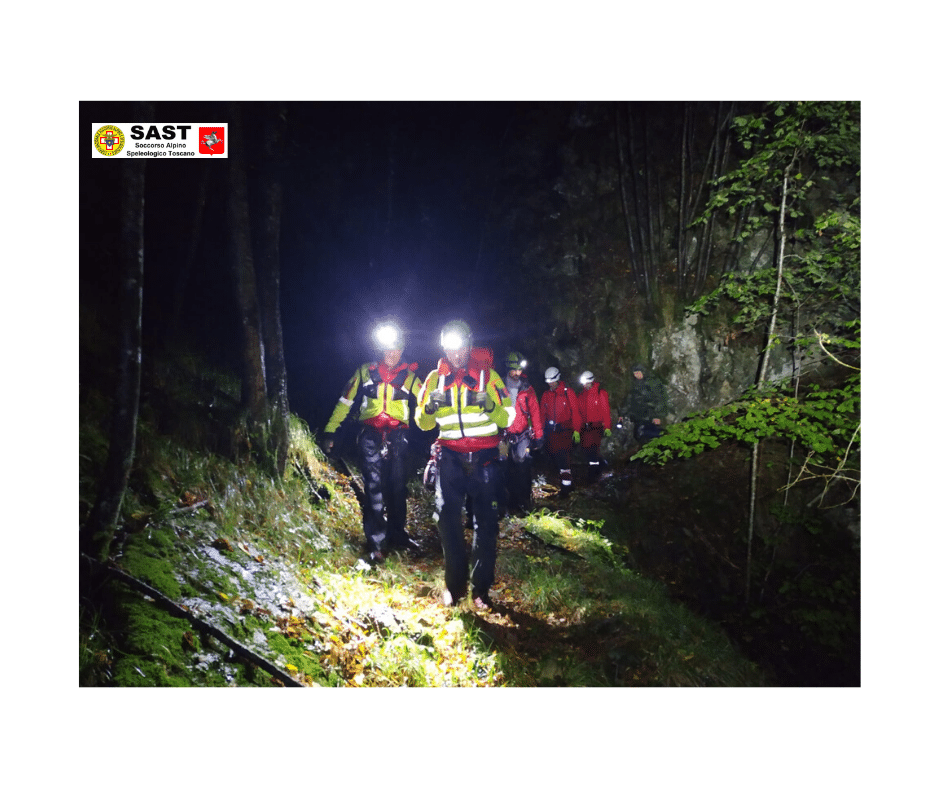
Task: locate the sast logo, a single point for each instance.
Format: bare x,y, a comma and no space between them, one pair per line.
125,140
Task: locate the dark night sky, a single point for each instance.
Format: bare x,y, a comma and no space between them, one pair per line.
384,207
336,253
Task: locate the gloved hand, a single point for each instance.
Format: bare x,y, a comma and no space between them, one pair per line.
329,440
435,401
607,433
577,436
537,443
482,399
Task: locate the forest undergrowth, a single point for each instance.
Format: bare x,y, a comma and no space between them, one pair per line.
275,566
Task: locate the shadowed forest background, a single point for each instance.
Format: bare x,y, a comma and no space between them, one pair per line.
718,243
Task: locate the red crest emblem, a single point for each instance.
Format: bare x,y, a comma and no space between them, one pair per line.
211,140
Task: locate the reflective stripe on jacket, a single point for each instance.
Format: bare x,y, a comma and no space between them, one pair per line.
385,395
465,427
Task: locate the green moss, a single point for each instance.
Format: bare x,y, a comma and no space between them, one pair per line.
152,653
281,644
151,567
295,654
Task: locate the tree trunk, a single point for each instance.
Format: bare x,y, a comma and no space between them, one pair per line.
762,370
269,285
631,243
644,241
254,397
682,220
99,529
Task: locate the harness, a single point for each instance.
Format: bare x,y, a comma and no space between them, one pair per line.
371,389
400,391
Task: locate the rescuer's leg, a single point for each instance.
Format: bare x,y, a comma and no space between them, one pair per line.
450,527
370,463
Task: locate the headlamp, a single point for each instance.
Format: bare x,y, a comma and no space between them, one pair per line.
452,340
456,335
388,337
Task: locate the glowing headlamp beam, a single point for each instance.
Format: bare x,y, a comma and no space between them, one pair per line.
453,340
388,337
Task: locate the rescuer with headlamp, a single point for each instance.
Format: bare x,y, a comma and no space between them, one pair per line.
562,419
382,396
466,399
594,405
523,435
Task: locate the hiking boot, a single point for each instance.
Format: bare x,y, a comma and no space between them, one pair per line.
482,602
447,599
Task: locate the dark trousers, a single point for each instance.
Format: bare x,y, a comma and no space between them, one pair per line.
559,449
519,473
476,477
591,436
384,466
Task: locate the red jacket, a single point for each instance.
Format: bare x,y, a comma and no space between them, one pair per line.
527,407
561,406
594,406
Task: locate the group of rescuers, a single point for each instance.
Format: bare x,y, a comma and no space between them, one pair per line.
478,415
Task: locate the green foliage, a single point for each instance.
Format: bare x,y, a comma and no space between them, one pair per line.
581,536
812,135
823,279
817,145
547,585
825,423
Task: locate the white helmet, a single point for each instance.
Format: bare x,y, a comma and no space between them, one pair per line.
587,378
552,374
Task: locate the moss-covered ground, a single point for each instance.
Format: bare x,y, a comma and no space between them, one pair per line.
276,564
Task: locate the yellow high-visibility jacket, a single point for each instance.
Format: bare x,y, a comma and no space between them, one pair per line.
387,396
465,427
